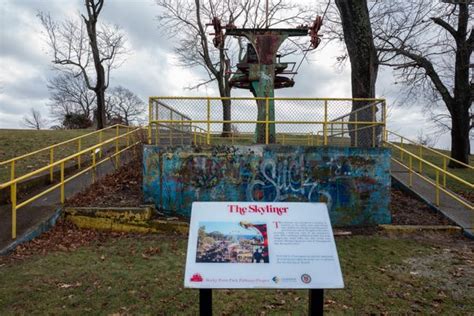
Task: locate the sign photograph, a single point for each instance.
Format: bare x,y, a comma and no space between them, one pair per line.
261,245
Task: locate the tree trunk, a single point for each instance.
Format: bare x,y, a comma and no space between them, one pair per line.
460,145
100,85
101,121
463,92
364,66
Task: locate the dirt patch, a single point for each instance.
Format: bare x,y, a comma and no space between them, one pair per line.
450,264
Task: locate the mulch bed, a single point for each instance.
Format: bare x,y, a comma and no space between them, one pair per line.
407,210
122,188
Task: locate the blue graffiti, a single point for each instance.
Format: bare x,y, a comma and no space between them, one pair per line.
283,180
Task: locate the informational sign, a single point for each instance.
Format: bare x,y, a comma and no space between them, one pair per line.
261,245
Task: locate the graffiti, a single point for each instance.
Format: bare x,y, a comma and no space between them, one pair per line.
286,178
354,182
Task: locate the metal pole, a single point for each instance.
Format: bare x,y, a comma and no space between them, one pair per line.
437,187
171,126
117,161
267,125
13,200
410,168
374,122
401,151
195,136
79,156
325,128
444,174
385,121
93,166
149,120
316,302
182,131
208,121
205,302
62,182
51,161
100,141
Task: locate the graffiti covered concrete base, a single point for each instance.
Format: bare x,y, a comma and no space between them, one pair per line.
354,182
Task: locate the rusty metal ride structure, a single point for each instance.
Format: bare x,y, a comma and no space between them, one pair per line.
261,70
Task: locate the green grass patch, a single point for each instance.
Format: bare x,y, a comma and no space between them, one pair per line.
144,275
14,143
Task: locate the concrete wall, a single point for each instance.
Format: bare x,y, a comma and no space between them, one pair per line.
355,182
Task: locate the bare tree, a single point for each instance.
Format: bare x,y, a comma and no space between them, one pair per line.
85,49
34,120
429,44
186,20
70,94
126,105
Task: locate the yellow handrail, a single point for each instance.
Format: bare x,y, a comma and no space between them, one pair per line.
58,162
436,184
53,148
57,145
438,170
431,149
471,185
13,184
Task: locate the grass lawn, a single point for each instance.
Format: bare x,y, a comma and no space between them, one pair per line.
16,142
144,275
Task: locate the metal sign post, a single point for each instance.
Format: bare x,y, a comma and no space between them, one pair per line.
205,302
315,302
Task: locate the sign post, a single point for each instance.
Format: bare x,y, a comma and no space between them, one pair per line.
256,245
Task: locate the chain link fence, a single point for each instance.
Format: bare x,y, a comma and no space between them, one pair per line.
289,121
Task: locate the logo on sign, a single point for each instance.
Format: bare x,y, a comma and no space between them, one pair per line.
276,279
196,278
305,278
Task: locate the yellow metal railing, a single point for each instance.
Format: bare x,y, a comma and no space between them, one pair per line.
438,185
131,138
54,149
422,149
203,128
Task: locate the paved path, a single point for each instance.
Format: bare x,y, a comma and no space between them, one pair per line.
43,208
450,207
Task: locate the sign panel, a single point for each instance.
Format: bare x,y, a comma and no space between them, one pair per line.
261,245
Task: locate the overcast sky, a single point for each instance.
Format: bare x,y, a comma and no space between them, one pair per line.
151,68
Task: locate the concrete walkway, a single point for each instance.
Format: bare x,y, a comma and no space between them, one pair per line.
41,210
449,206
